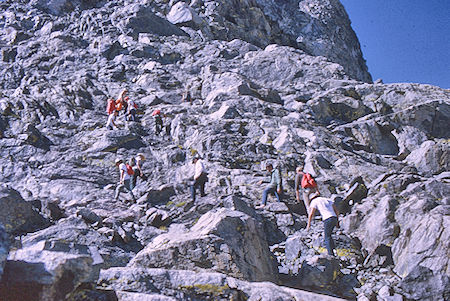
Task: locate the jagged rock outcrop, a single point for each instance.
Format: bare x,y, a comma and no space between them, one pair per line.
279,82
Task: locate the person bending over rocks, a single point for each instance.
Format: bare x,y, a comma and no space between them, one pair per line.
186,97
274,185
136,163
329,214
200,177
111,123
308,185
126,172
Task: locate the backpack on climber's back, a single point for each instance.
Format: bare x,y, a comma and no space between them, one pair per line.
308,181
111,106
130,170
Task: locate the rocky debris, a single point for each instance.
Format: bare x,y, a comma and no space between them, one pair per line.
260,93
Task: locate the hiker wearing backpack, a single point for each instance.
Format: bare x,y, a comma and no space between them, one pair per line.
274,185
200,177
126,171
111,123
110,106
329,214
136,163
308,185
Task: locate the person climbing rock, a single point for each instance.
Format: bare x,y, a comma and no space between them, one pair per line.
186,97
274,185
110,106
131,110
121,102
136,163
329,214
308,185
111,123
200,177
158,121
126,172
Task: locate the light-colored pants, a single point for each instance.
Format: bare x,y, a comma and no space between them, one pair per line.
126,184
306,194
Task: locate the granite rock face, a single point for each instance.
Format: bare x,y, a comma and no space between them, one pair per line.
279,82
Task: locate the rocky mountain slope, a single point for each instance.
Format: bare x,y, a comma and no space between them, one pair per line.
272,81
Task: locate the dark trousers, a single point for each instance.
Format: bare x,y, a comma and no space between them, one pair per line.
132,115
199,182
158,125
137,173
328,226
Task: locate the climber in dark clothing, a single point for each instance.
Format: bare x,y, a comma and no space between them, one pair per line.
158,121
200,177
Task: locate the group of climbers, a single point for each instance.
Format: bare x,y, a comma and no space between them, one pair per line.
124,104
129,172
311,198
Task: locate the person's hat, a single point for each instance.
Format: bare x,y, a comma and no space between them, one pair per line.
141,155
196,157
118,161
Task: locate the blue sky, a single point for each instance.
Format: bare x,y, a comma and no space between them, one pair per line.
404,40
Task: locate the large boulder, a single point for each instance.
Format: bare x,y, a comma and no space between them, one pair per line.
40,273
74,230
183,14
17,215
227,241
138,18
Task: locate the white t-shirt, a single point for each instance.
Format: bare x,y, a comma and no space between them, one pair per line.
111,118
124,168
139,161
131,105
199,168
325,207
